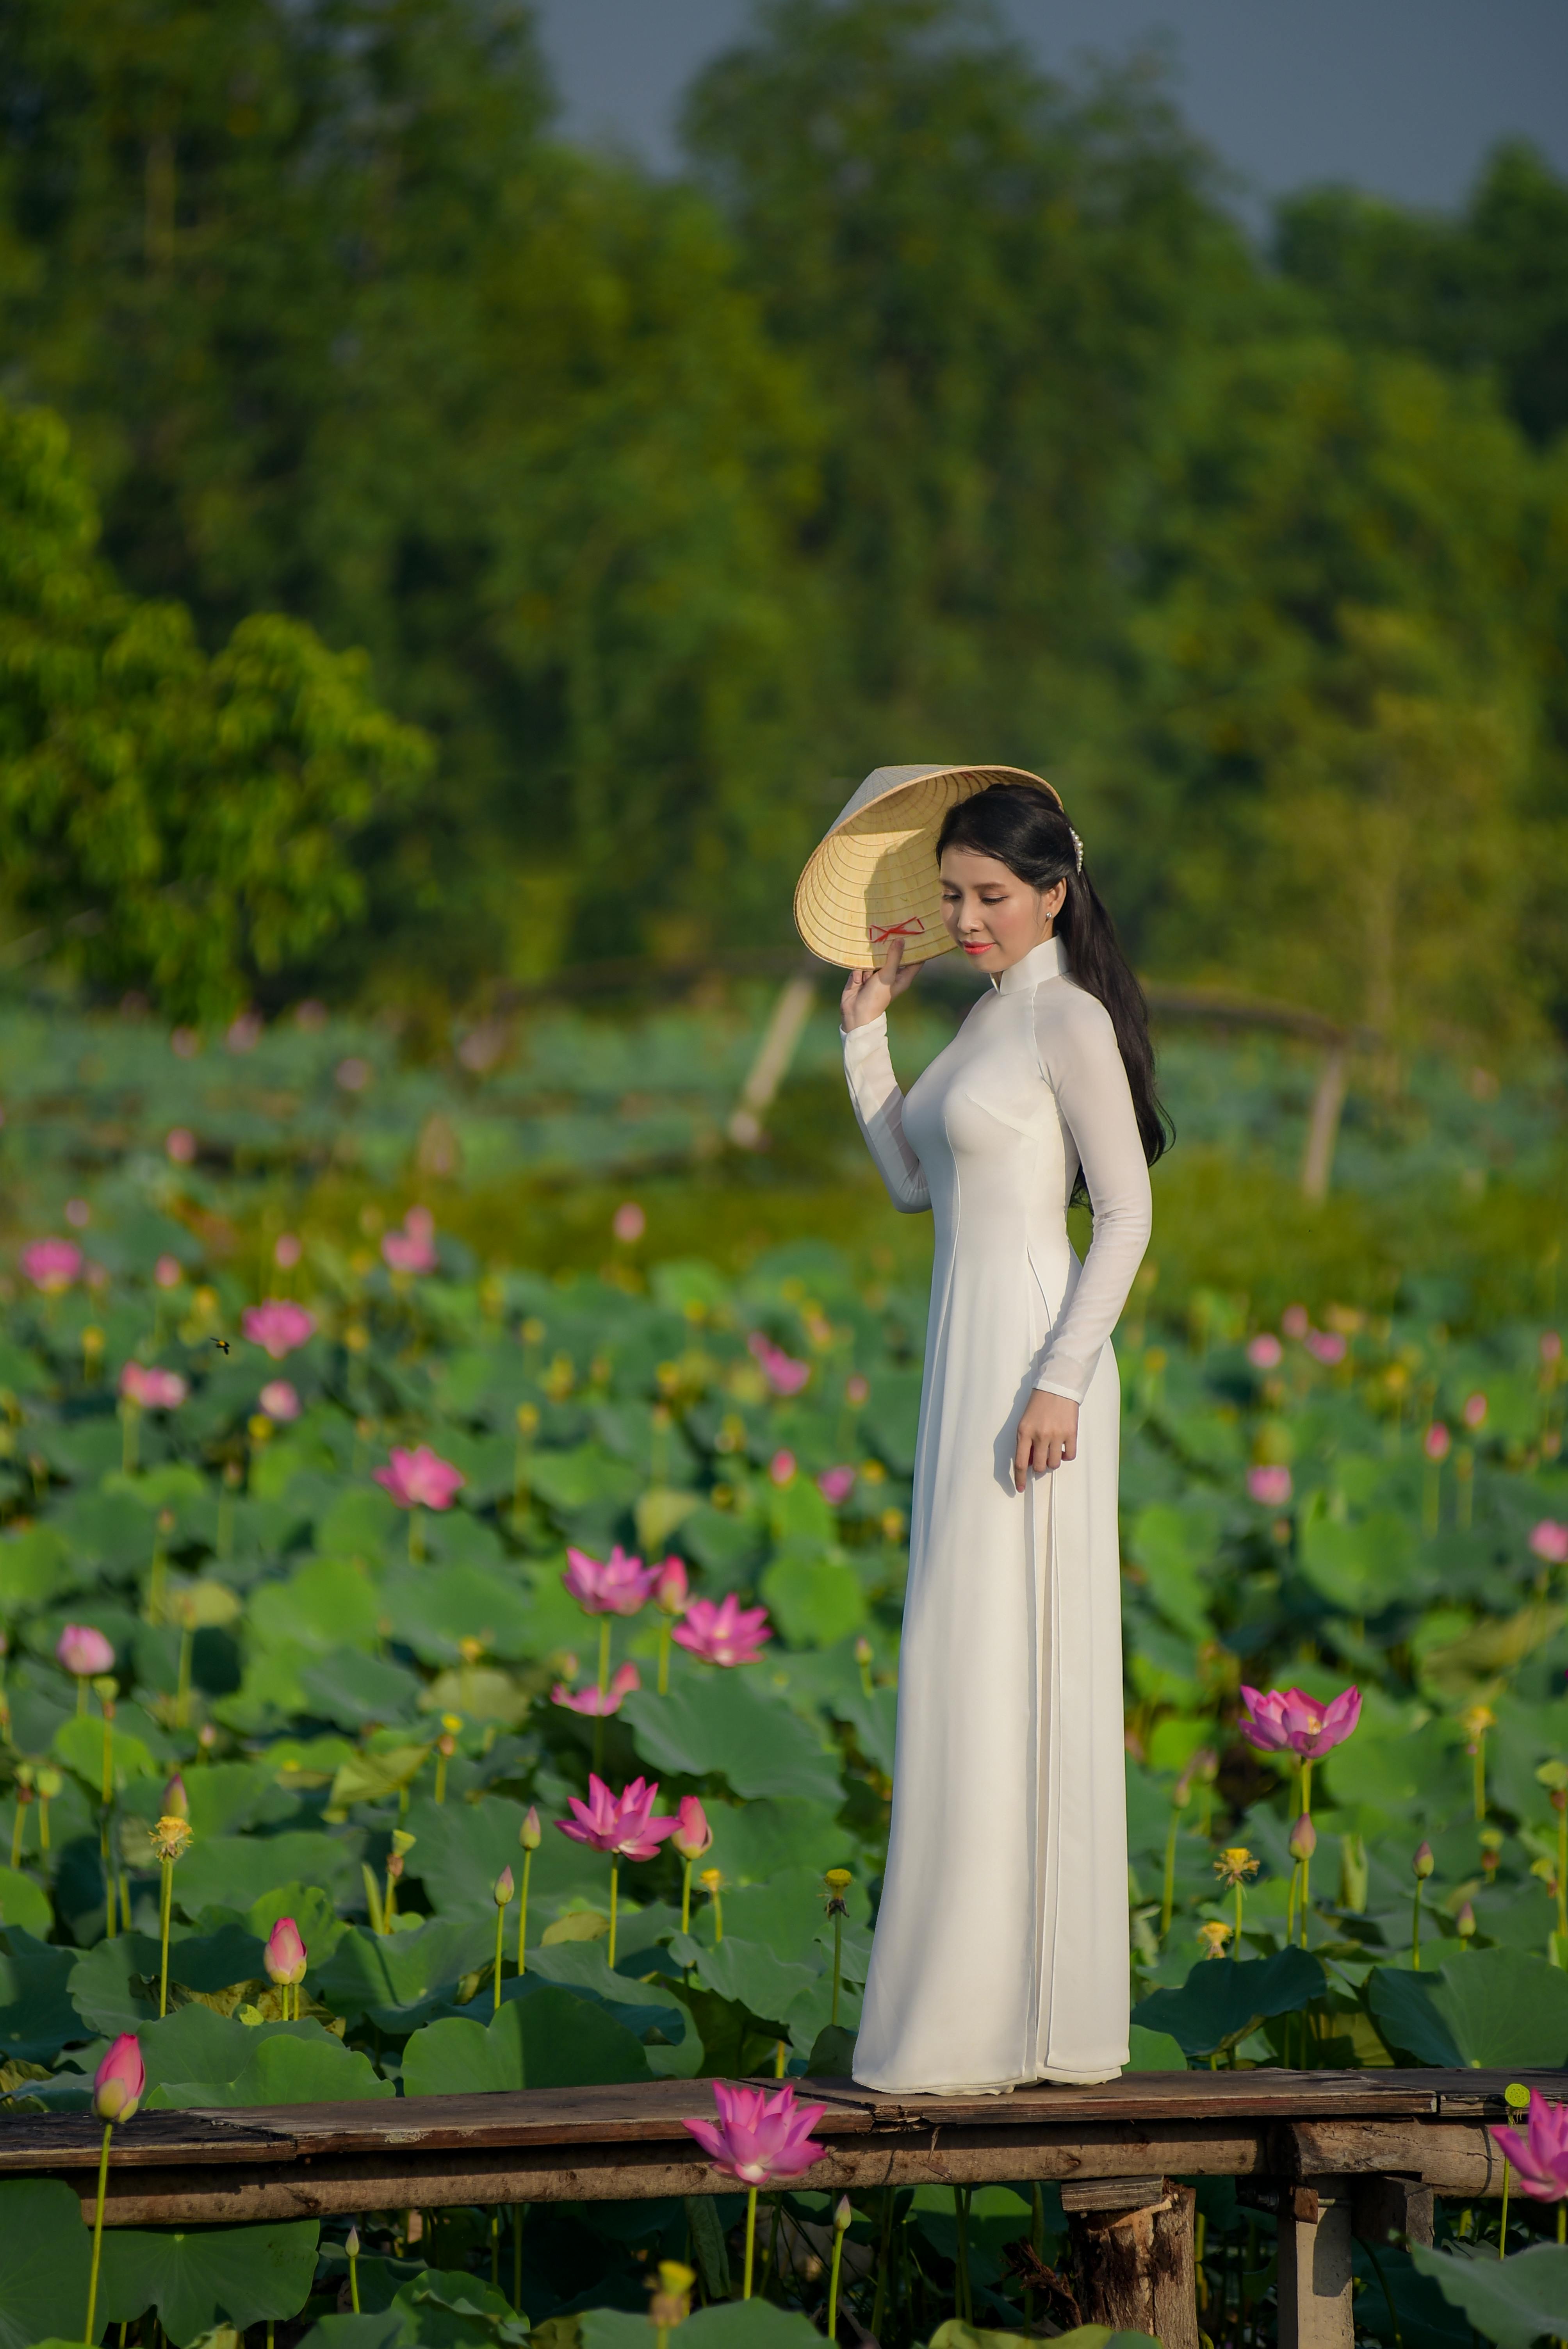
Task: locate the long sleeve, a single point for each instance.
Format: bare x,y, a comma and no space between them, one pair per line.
879,1106
1082,1063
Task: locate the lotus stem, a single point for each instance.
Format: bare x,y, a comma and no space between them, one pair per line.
495,2207
97,2234
1167,1890
841,2216
838,1960
440,1775
603,1655
499,1931
130,1428
615,1887
686,1886
165,1904
43,1821
883,2261
1415,1949
352,2247
965,2310
18,1819
183,1688
522,1917
750,2240
1480,1777
1502,2222
415,1539
778,2053
519,2211
664,1658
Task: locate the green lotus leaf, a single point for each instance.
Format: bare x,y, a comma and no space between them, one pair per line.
25,1904
641,2005
753,1842
350,1688
816,1601
785,1913
320,1927
233,1871
1483,2007
1223,1999
1153,2051
37,2016
364,1523
1358,1567
34,1565
724,1721
45,2253
325,1604
283,2070
79,1742
1512,2302
432,1609
728,2324
749,1974
371,1776
398,1980
198,2277
461,1847
545,2038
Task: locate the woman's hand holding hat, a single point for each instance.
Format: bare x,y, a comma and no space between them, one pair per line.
867,993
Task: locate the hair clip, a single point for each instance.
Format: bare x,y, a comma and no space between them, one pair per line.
1078,848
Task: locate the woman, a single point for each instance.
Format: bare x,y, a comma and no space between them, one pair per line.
1001,1949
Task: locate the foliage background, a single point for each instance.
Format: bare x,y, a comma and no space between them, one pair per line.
941,408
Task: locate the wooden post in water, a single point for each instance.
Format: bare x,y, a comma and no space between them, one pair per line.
1316,2278
1132,2241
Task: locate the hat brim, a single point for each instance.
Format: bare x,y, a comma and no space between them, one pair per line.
872,877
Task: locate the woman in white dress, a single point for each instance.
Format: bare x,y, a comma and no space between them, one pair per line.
1001,1949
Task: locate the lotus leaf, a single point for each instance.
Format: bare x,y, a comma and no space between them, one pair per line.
587,1477
371,1776
1175,1547
283,2069
321,1927
350,1688
103,1530
728,2324
1222,1999
726,1542
891,1416
34,1565
223,1798
545,2038
1153,2051
79,1741
24,1903
363,1522
747,1972
233,1871
398,1980
817,1600
1487,2007
722,1722
479,1693
753,1841
44,2257
197,2277
1512,2302
431,1610
37,2016
327,1603
642,2005
1358,1567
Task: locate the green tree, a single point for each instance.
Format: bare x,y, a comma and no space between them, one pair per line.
1340,671
170,820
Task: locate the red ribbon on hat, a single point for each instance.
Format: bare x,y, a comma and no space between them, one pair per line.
912,928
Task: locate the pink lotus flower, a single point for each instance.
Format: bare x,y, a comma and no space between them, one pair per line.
727,1633
52,1265
279,1400
1473,1411
413,1249
692,1835
758,2137
622,1825
1296,1322
1265,1352
1549,1540
623,1585
277,1326
284,1955
1269,1485
1436,1442
594,1701
1326,1346
119,2080
84,1651
836,1484
168,1272
287,1250
421,1479
1540,2151
152,1389
628,1223
782,1467
783,1373
1289,1721
181,1145
673,1588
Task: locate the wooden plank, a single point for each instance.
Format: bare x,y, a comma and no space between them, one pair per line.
1451,2157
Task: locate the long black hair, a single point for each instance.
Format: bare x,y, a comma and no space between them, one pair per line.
1024,829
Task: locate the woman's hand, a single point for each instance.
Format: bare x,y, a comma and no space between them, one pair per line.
867,993
1048,1434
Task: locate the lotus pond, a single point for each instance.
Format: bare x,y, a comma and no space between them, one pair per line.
287,1519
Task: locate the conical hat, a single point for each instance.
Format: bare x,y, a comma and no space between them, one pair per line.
872,876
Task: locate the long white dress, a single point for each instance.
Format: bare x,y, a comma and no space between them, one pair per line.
1001,1949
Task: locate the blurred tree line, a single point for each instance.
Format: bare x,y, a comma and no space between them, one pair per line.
941,408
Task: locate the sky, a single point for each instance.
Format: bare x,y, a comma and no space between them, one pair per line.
1404,97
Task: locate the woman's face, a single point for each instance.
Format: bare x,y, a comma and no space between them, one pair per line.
996,918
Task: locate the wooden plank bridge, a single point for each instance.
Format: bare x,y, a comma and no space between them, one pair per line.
1335,2154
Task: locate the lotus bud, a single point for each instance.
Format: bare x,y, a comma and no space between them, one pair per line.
843,2217
864,1651
1464,1923
1213,1936
119,2080
1423,1863
692,1835
284,1955
672,1589
395,1866
403,1842
105,1688
838,1881
175,1802
504,1888
1302,1840
351,2242
530,1834
671,2302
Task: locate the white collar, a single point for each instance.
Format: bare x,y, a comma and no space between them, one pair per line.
1048,960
